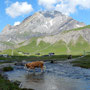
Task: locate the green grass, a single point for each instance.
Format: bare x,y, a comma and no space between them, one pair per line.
9,52
79,47
44,48
21,43
83,62
77,29
58,48
7,85
36,58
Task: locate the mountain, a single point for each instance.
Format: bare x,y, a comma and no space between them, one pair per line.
75,41
41,24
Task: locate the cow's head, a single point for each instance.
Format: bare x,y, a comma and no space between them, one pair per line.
26,66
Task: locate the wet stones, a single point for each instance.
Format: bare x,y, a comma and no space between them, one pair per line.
52,61
5,69
17,83
20,63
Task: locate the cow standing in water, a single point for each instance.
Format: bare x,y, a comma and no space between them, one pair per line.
36,64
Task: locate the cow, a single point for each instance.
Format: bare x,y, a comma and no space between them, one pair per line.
36,64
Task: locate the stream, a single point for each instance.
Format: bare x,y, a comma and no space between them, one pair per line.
58,76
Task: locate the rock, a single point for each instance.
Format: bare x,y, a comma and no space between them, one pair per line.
5,76
19,64
70,57
52,61
17,83
9,68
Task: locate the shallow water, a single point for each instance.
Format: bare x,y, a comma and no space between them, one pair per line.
56,77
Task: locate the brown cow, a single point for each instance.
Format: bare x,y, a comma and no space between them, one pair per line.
33,65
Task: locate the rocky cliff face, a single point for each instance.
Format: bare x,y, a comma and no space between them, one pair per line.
67,37
40,24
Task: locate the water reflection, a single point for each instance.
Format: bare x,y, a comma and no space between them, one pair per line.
35,77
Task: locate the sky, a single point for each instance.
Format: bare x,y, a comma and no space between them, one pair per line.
13,12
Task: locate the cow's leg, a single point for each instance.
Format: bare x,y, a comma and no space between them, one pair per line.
42,69
34,70
28,70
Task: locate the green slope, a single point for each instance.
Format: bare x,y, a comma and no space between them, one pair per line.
79,47
77,29
59,48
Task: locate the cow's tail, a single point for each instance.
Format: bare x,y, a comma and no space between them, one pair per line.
25,67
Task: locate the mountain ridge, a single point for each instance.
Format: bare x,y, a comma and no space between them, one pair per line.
72,42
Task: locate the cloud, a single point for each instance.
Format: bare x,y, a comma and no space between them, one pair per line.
18,9
48,4
65,6
70,6
16,23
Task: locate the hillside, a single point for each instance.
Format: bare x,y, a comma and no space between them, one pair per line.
74,41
